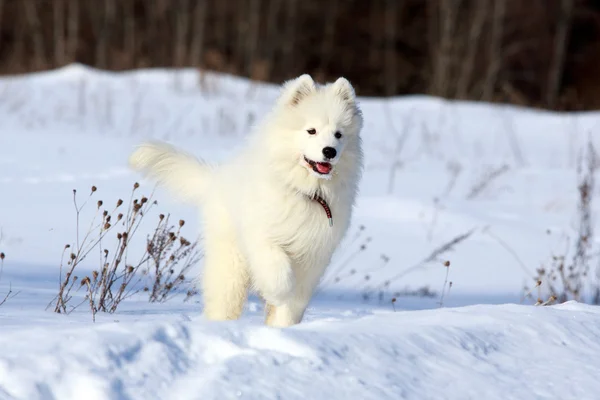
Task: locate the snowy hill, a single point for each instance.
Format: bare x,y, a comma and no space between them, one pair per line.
492,189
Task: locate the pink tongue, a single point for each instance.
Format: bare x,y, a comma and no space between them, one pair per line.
323,168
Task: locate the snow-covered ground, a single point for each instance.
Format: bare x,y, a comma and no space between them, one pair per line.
425,184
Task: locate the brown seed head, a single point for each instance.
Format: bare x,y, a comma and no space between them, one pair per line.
106,226
2,256
85,281
136,185
181,222
130,269
144,200
119,236
72,256
95,275
104,213
94,189
393,300
100,203
446,263
119,203
67,246
161,216
120,216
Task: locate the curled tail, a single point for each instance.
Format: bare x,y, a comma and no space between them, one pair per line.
183,174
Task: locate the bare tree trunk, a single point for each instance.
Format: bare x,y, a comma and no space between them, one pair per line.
197,44
104,33
495,50
475,30
33,21
390,67
290,35
252,36
327,45
73,30
1,20
271,42
58,16
433,36
557,63
154,25
375,29
444,62
241,27
129,37
221,24
182,23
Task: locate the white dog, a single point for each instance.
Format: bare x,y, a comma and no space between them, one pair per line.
274,214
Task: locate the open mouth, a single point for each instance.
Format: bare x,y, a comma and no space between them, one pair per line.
321,168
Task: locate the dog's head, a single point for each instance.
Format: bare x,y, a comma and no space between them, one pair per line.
319,127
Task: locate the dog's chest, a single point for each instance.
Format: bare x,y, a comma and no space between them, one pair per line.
304,229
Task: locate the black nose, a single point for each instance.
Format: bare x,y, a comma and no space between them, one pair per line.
329,152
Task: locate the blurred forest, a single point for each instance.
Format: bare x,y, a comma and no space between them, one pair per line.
540,53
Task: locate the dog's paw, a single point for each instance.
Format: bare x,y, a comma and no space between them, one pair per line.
279,288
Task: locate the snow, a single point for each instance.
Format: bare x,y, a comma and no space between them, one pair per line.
74,127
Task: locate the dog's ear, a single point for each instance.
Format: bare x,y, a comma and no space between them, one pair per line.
344,90
297,89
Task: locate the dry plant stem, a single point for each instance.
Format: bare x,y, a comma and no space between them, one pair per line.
400,142
164,261
448,246
565,279
527,294
334,273
9,295
509,249
431,227
485,181
445,284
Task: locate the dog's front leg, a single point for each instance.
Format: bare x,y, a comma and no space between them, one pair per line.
272,272
292,311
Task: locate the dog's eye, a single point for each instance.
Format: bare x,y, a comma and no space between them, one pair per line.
338,135
311,131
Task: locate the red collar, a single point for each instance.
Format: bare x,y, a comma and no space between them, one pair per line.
325,206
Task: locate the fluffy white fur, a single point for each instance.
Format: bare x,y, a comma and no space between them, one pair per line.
263,230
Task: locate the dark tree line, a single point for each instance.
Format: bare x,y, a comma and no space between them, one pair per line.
542,53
